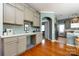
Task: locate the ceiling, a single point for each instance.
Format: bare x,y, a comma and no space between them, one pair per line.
62,10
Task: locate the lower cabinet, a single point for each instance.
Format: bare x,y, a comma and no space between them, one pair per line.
14,45
38,37
10,47
22,45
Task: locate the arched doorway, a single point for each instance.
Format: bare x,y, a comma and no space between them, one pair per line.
47,28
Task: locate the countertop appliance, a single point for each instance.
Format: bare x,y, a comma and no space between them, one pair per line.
8,32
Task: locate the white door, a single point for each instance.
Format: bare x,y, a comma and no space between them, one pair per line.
61,29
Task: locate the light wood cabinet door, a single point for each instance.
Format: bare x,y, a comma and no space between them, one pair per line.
10,46
19,17
28,15
36,19
36,22
10,49
31,16
22,45
9,14
39,38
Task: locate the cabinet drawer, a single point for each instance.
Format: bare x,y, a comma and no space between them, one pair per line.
21,37
11,39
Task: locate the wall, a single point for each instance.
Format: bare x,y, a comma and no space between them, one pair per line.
1,25
52,16
1,18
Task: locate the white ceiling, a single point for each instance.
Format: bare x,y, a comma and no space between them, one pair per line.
62,10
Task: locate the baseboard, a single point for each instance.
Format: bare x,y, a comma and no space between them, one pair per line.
71,45
53,40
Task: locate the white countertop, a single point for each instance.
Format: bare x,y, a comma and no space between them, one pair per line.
72,30
27,34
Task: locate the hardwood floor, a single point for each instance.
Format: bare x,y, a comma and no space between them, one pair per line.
49,48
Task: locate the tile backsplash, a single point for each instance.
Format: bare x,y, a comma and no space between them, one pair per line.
16,29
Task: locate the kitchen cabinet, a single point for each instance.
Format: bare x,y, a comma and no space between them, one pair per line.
39,38
13,14
9,14
19,17
71,38
36,19
10,46
10,49
15,45
22,45
10,39
20,6
28,14
36,22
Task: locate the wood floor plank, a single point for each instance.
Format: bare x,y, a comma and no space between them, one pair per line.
50,48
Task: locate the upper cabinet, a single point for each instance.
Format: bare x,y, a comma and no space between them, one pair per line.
19,17
28,14
16,13
9,14
13,14
36,20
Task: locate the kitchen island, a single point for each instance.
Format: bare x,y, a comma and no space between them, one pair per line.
71,35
